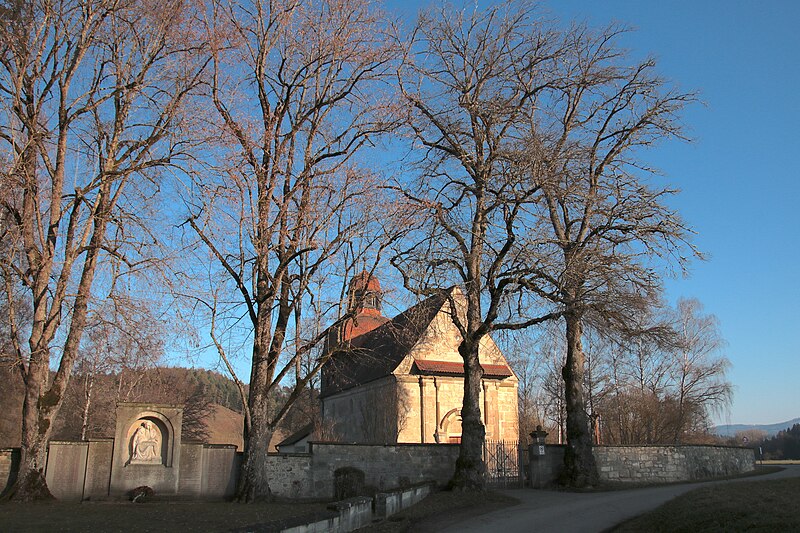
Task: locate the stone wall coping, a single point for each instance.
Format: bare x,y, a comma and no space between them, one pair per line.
12,449
225,446
150,406
100,439
350,502
71,442
397,445
727,446
288,454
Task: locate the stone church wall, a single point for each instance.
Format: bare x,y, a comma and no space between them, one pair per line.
435,400
355,418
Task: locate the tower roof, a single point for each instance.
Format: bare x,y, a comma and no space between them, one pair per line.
365,281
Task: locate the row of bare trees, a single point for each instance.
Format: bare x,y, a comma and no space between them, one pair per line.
660,384
249,127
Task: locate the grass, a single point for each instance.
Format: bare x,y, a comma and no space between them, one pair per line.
152,516
438,509
747,506
220,516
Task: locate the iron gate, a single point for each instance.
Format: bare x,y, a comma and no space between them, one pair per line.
504,465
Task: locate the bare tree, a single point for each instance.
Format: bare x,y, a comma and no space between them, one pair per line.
91,92
699,366
295,87
658,382
607,229
125,338
471,82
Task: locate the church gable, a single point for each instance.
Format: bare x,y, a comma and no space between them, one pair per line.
436,351
421,340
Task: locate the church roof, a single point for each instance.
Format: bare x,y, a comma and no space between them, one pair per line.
297,436
364,322
448,368
377,353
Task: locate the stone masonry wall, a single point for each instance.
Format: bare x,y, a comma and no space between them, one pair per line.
665,464
649,464
385,467
290,474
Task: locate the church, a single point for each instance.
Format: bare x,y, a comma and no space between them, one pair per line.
401,380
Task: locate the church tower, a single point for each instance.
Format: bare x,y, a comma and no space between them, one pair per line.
364,299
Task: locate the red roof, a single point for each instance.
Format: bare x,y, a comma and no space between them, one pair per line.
365,280
447,367
365,322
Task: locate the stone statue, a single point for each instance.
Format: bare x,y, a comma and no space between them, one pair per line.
146,444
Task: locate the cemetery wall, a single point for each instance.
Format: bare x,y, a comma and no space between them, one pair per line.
649,464
82,470
9,465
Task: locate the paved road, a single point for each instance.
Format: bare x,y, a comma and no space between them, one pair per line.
566,512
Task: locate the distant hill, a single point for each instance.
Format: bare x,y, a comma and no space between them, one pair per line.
729,430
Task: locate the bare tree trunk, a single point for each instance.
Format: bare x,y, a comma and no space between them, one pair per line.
470,469
580,468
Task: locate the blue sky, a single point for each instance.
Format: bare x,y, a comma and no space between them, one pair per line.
738,176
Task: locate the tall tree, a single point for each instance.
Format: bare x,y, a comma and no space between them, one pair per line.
608,229
92,90
295,86
471,83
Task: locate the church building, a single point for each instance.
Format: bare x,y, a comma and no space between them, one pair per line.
401,380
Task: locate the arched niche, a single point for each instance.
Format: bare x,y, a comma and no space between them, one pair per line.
150,440
450,427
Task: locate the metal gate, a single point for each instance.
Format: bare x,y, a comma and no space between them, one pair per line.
503,464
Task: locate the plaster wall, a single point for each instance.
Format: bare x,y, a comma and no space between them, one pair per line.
9,466
66,469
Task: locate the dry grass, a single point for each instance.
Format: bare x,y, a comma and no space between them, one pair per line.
748,506
154,516
438,509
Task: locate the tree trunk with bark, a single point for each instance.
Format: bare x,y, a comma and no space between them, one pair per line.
580,469
470,473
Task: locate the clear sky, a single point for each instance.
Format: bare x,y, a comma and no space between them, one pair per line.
739,176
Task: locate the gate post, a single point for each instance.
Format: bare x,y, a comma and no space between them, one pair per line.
536,458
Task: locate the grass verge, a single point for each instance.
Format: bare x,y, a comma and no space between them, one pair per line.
747,506
152,516
440,509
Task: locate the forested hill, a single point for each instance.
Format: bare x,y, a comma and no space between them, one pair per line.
98,394
731,430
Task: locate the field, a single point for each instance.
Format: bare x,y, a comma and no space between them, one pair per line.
747,506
